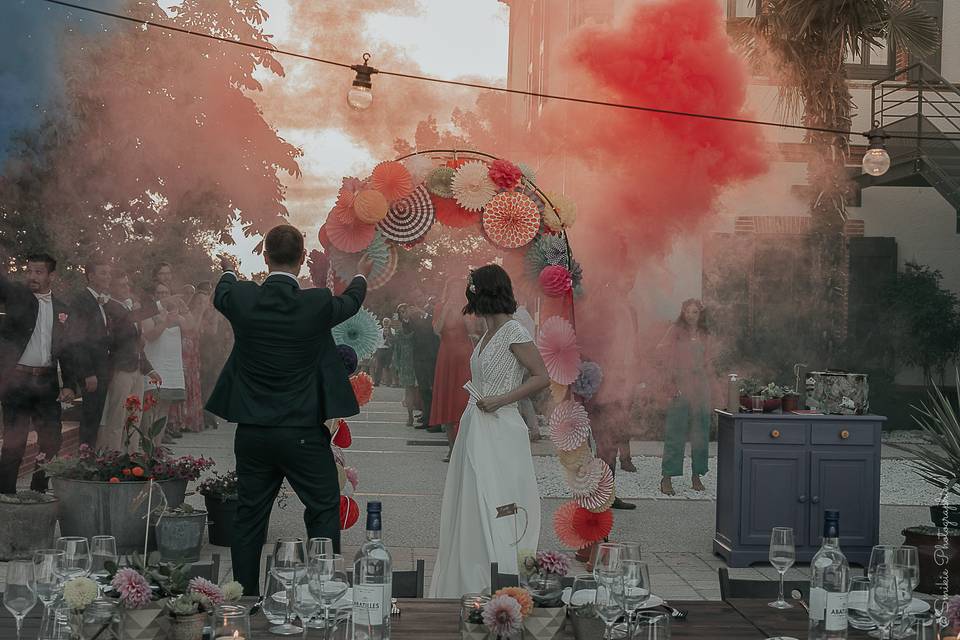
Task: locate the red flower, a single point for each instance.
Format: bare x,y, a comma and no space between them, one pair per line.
149,401
132,403
137,472
114,480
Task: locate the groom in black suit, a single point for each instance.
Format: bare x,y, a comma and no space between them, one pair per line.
283,379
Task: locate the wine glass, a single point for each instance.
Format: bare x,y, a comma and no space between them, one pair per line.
607,557
48,582
305,604
19,594
907,564
886,597
103,550
631,550
858,600
289,563
881,554
76,561
609,601
636,585
582,595
782,556
319,547
329,582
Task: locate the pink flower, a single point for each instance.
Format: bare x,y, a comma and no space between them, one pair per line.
206,589
62,317
133,588
502,616
553,562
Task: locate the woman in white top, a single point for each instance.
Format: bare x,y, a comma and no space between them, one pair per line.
491,465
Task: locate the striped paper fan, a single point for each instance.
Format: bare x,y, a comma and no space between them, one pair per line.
409,218
569,426
382,275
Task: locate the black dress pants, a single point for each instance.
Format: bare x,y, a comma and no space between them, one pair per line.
29,403
92,410
265,456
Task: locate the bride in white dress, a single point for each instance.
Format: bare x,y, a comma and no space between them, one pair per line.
491,465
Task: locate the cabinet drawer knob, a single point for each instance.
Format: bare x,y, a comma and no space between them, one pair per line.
802,499
775,433
815,499
844,434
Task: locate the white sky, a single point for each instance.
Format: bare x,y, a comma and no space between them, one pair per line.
448,39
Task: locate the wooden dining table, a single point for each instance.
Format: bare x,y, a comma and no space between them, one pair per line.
423,619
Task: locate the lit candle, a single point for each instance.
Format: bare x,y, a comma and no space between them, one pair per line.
236,636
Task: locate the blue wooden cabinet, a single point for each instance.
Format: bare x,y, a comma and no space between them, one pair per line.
784,470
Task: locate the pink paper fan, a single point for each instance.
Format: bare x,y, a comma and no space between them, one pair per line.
350,237
511,219
598,497
343,209
569,426
392,180
558,346
563,526
505,174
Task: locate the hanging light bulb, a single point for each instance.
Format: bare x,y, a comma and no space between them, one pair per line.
876,161
360,95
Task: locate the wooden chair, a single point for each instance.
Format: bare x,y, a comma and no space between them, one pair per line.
758,588
209,569
500,580
409,584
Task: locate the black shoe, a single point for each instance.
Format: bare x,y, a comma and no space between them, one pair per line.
628,466
620,504
434,429
419,426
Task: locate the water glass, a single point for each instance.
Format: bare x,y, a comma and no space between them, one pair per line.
609,601
329,582
103,551
881,554
19,594
47,579
275,600
319,547
289,563
756,403
651,625
56,623
782,555
77,561
858,600
582,595
631,550
636,584
231,621
607,557
305,604
102,620
886,597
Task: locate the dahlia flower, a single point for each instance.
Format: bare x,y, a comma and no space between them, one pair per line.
133,588
502,616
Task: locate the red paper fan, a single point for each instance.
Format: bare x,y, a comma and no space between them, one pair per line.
600,496
370,206
556,281
349,512
350,237
558,346
410,218
592,527
563,526
323,237
451,214
511,219
342,437
392,180
569,426
362,385
380,277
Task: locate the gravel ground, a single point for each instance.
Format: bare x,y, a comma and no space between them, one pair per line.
899,485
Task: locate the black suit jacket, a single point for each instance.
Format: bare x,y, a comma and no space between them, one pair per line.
125,347
284,369
93,337
22,309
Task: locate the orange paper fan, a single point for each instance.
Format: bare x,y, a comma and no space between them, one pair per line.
451,214
352,236
392,180
370,206
511,219
362,385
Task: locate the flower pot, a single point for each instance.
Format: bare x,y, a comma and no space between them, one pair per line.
180,536
772,405
932,572
26,526
187,627
791,402
220,517
545,623
90,508
940,516
149,623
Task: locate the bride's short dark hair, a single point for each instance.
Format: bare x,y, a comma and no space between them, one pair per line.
489,292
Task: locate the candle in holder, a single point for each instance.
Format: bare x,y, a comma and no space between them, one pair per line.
231,622
471,616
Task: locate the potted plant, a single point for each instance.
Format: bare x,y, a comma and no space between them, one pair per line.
790,401
220,498
142,589
749,388
27,522
179,532
108,490
190,611
937,461
772,395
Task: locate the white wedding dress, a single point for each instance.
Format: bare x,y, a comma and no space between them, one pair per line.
490,466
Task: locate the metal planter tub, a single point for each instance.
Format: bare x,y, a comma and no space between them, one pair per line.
180,536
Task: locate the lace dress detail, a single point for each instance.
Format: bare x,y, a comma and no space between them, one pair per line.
495,369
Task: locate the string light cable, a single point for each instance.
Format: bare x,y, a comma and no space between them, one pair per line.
362,84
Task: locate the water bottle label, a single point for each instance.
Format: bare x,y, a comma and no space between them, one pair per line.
818,604
368,602
836,611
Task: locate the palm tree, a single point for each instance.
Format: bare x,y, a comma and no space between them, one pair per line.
809,40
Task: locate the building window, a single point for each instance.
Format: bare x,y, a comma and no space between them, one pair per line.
740,8
870,62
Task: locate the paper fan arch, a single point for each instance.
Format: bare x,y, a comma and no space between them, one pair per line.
504,174
472,186
569,426
361,332
350,236
382,275
370,206
544,251
409,218
575,458
558,346
392,180
588,381
511,219
362,385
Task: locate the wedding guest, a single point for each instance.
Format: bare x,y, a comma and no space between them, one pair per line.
35,337
403,363
453,363
686,357
163,273
128,366
188,415
426,343
93,334
384,357
164,349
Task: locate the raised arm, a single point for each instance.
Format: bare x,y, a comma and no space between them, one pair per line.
347,304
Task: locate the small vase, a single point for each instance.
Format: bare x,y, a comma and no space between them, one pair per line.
149,623
545,623
187,627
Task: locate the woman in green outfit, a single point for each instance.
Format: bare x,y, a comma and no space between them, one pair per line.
686,355
403,363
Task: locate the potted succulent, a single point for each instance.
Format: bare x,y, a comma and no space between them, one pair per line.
220,498
190,611
27,522
179,532
937,461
